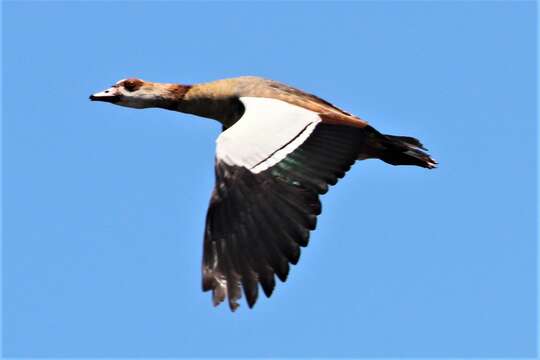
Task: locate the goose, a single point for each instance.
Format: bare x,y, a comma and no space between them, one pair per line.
279,150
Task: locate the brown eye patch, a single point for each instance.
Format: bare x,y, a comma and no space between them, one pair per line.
132,84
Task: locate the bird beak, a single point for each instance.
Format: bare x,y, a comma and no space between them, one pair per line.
111,95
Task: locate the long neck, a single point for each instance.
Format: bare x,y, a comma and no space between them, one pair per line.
203,100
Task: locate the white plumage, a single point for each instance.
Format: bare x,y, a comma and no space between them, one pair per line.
268,131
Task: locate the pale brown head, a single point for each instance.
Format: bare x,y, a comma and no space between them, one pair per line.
139,94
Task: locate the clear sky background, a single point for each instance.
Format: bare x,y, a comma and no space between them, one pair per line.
105,206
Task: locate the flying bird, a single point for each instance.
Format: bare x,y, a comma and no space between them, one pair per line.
279,150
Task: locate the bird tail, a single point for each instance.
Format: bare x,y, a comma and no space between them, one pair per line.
398,150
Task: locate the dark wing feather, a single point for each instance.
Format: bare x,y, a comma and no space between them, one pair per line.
256,223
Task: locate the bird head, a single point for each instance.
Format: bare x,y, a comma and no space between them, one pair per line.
135,93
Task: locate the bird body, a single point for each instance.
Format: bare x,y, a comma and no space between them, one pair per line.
280,149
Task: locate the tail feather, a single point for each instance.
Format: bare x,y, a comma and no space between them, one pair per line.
411,156
414,142
399,150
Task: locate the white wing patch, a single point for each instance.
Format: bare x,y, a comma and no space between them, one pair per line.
269,130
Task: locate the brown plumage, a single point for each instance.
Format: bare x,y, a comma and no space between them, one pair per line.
281,148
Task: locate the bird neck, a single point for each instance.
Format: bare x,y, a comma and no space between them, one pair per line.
205,101
168,96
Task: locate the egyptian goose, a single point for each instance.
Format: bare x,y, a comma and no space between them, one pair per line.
279,150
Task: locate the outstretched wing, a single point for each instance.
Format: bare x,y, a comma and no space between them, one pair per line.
271,167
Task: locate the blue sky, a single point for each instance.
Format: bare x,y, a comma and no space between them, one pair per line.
104,206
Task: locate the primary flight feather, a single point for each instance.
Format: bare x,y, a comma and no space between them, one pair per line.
279,150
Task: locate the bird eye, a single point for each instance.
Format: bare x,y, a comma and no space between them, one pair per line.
132,84
129,86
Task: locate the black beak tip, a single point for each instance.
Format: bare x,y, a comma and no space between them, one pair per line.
105,98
